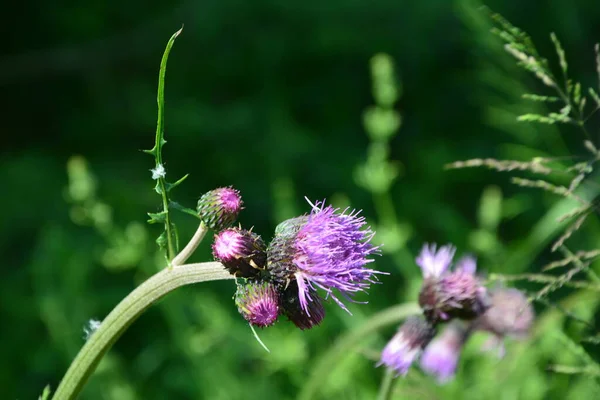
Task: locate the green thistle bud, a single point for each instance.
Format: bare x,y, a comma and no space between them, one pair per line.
219,208
258,303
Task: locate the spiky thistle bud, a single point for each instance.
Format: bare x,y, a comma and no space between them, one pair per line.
440,357
219,208
258,303
449,294
303,318
407,344
242,252
327,249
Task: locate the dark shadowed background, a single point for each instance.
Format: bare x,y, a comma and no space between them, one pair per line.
267,96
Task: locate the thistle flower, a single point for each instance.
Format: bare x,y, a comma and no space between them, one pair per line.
433,262
219,208
440,357
407,344
241,251
326,249
258,303
450,294
510,315
291,308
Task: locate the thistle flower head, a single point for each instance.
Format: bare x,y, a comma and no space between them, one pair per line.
219,208
407,344
241,251
435,262
440,357
450,294
327,249
291,308
510,314
258,303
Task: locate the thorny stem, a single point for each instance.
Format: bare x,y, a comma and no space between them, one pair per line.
160,141
123,315
161,184
191,246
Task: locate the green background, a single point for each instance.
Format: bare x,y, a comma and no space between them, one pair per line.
268,96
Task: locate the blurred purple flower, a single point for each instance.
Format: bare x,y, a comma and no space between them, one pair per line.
447,294
407,344
440,357
510,315
433,262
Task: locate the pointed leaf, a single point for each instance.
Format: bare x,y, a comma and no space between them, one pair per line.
170,186
179,207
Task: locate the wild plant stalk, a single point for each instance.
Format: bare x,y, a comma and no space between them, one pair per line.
576,108
386,388
349,341
176,274
127,311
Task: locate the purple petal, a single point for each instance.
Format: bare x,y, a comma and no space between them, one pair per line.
435,262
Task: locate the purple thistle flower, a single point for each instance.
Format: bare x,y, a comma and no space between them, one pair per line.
467,264
407,344
510,315
241,251
258,303
327,249
440,357
434,262
447,294
219,208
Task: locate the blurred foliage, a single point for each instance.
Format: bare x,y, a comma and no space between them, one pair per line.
281,99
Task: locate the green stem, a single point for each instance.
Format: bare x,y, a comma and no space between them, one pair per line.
191,246
125,313
168,226
385,390
344,345
159,142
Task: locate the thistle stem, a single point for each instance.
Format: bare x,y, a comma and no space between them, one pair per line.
387,385
348,342
191,246
125,313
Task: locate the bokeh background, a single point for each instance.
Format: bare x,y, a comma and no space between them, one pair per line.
268,96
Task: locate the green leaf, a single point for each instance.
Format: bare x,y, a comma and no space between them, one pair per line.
161,241
577,93
157,218
45,394
561,53
179,207
535,118
551,118
595,96
158,187
170,186
536,97
160,141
